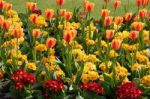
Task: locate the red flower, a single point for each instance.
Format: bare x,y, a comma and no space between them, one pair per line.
128,91
19,85
31,78
54,85
92,86
22,78
38,12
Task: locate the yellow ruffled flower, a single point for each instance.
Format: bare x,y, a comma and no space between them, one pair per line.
41,48
121,72
90,42
93,75
92,58
103,66
125,34
11,13
85,78
31,66
40,21
113,53
136,67
146,80
52,59
59,73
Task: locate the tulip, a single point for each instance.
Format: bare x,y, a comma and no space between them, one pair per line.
68,15
116,44
116,4
118,20
138,3
1,4
5,25
60,2
89,7
107,1
108,21
109,34
31,6
62,12
142,13
49,14
50,42
18,32
1,20
145,2
7,6
69,35
133,35
128,16
33,18
138,26
105,13
36,33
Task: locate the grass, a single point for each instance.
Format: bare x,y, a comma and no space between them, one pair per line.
19,5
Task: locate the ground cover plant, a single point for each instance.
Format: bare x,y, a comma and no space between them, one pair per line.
61,54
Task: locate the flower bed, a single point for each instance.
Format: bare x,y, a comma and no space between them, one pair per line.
70,55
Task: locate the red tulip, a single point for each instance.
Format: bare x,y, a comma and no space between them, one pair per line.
50,42
116,4
133,35
60,2
108,21
116,44
142,13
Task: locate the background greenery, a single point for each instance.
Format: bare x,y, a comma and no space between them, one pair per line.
19,5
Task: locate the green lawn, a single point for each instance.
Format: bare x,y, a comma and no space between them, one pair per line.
19,5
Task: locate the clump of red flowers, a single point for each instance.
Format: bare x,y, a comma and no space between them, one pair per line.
128,91
22,78
54,85
92,86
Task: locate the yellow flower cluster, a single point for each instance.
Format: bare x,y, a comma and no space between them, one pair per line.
89,73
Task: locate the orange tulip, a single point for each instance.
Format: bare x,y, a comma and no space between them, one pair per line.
145,2
7,6
62,12
49,14
33,18
116,4
69,35
1,20
5,25
105,13
1,4
84,3
142,13
128,16
118,20
109,34
133,34
31,6
138,26
68,15
60,2
108,21
36,33
50,42
116,44
89,7
18,32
